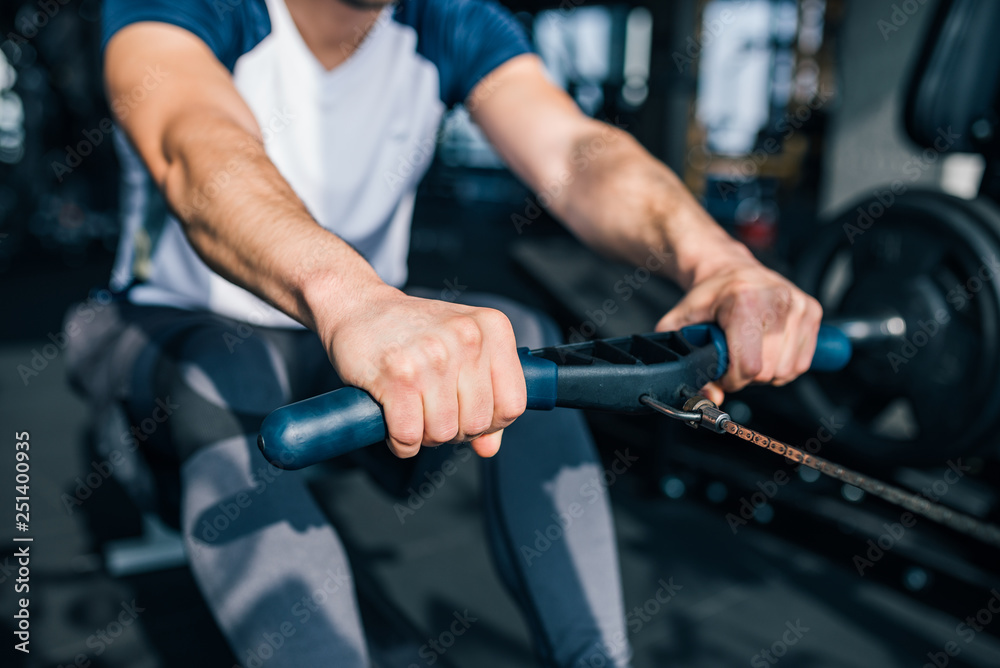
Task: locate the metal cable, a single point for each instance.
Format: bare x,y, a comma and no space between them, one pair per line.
984,531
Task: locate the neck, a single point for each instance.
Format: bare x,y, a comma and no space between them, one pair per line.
334,29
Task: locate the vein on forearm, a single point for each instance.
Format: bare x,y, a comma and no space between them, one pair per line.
621,200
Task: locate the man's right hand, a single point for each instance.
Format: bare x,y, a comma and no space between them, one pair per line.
443,372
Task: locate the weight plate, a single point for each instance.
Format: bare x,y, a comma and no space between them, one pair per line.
933,393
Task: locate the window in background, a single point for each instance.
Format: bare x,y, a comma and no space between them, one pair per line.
760,86
594,53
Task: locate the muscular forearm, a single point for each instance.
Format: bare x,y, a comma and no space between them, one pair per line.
620,199
614,195
246,223
441,371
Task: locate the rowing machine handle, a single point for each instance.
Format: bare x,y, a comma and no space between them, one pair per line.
323,427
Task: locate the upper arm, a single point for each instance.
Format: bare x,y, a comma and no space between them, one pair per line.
535,126
163,61
464,39
484,60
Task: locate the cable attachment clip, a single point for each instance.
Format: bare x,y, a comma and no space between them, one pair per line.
697,411
712,417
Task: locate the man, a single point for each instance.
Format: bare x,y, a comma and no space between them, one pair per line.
263,237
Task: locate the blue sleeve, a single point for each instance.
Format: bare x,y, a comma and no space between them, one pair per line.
228,27
465,39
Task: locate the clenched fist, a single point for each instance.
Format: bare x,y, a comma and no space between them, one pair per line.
770,324
443,372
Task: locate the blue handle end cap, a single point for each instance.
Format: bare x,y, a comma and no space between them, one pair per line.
833,350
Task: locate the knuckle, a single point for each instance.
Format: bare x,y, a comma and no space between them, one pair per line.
442,434
765,375
751,368
814,310
477,416
785,372
741,289
476,427
435,352
406,436
498,323
467,331
402,369
784,296
508,409
442,426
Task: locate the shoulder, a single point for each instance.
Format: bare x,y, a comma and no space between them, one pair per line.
230,28
465,39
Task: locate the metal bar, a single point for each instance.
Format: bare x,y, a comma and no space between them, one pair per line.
870,330
670,411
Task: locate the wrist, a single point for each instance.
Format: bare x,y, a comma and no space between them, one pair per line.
704,249
332,300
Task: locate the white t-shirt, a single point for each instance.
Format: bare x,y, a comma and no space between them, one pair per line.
353,142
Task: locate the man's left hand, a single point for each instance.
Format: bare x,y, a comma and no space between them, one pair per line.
770,324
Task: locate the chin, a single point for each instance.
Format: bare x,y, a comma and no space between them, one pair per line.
367,4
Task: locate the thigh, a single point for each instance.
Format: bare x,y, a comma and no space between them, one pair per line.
188,378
